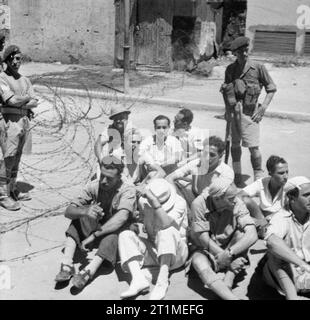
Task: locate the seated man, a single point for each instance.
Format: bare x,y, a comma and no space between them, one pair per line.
139,168
191,138
164,216
104,208
111,140
164,149
202,171
269,190
223,231
288,240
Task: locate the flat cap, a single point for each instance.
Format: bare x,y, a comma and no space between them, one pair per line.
239,42
10,50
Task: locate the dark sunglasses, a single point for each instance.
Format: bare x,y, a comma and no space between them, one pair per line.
136,141
161,127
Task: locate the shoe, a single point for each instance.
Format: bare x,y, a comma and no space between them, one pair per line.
159,291
65,275
9,204
20,196
80,280
135,288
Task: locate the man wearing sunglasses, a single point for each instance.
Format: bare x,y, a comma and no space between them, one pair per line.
18,100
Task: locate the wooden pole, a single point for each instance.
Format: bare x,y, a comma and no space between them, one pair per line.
126,45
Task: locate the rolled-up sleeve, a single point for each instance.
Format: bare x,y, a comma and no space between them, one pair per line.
253,189
266,80
278,225
242,215
199,210
127,200
87,195
5,90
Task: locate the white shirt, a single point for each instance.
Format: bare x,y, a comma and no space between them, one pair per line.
260,189
201,178
169,153
178,213
191,140
297,236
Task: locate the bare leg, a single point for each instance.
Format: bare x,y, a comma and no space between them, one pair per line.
69,251
210,278
283,277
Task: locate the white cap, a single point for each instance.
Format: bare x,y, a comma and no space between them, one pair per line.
295,182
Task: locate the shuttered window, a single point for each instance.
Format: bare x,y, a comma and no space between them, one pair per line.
279,42
307,44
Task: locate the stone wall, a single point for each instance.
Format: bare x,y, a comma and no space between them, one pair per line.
70,31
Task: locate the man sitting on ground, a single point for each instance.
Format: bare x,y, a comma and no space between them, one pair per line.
270,191
191,138
223,232
139,168
202,171
164,215
164,149
288,240
105,208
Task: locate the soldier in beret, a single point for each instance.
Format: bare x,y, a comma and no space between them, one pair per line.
245,79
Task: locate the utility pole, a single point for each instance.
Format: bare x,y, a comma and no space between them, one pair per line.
126,45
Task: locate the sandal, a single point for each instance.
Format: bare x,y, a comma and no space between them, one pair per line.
80,280
65,274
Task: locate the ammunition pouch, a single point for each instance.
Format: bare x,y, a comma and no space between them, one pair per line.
228,92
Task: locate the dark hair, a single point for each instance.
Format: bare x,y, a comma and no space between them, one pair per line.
217,142
188,115
112,162
272,162
161,117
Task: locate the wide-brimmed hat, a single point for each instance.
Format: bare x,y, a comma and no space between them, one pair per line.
164,192
115,110
295,182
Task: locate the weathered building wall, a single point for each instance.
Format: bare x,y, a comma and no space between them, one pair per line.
276,15
70,31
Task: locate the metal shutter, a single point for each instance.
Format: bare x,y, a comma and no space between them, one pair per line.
307,44
279,42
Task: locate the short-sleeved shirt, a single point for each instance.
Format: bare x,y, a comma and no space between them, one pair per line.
253,73
201,178
260,188
220,225
191,140
111,202
170,152
9,86
178,213
296,235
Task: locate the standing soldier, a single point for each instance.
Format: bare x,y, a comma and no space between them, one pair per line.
244,80
18,99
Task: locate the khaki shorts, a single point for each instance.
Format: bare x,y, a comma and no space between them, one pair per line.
249,134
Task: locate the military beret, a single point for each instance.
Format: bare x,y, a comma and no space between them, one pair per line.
10,50
239,42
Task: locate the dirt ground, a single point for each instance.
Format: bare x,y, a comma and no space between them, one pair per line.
62,162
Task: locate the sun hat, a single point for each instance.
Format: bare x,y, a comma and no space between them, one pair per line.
115,110
164,192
